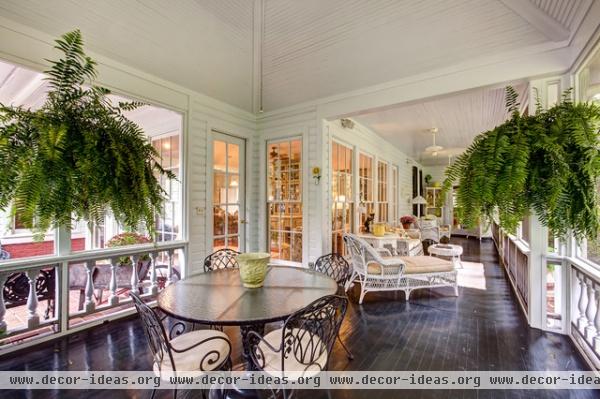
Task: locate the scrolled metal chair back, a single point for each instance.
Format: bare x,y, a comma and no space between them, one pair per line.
222,259
335,266
310,333
155,332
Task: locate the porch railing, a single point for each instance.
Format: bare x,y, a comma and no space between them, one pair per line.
514,256
585,311
27,282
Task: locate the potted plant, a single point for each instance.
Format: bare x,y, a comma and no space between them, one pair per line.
407,221
77,156
253,268
547,161
428,178
130,238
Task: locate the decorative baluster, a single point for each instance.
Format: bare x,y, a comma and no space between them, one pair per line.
581,321
596,341
153,285
3,326
114,298
590,329
170,254
135,279
90,305
33,319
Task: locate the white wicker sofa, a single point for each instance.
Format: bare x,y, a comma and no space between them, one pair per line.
375,270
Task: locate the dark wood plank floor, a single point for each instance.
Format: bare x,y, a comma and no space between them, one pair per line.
482,329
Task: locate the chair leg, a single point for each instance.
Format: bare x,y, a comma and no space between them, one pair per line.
153,393
348,353
362,295
350,281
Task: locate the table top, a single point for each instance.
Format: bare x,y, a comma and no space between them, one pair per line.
387,236
439,249
219,298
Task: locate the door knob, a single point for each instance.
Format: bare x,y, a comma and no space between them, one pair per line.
243,221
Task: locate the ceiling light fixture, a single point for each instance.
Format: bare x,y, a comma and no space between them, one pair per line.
434,149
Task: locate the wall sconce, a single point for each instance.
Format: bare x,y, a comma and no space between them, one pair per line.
347,123
316,174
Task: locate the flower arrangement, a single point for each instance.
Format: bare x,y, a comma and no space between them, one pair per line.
128,238
407,220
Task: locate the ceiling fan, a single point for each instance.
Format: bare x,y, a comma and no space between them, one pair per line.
434,149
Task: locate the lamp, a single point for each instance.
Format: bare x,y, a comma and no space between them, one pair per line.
419,200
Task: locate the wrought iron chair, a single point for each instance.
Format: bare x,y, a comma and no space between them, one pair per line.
301,348
4,255
222,259
335,266
16,290
200,350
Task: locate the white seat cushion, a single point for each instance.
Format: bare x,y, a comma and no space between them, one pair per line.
308,343
190,360
413,265
426,264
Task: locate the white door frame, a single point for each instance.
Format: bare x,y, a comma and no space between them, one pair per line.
242,219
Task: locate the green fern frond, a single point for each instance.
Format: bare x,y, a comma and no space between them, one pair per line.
78,156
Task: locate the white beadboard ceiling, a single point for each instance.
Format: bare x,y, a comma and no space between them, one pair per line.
459,118
310,48
204,45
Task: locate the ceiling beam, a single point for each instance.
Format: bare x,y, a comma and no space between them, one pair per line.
537,18
258,14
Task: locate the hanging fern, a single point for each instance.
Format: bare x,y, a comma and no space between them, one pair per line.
548,162
78,156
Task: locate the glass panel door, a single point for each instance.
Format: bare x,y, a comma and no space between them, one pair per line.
342,211
382,191
365,182
284,200
228,192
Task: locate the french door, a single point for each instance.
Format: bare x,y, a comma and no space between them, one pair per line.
229,182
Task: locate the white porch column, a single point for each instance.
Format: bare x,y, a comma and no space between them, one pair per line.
538,242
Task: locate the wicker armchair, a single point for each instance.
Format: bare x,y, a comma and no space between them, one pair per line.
375,272
370,269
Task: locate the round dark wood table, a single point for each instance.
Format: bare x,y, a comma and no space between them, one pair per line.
219,298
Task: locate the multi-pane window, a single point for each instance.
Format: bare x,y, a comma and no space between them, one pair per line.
365,182
226,195
394,199
163,129
382,191
284,202
343,207
168,221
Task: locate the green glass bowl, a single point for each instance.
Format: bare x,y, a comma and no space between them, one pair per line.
253,268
